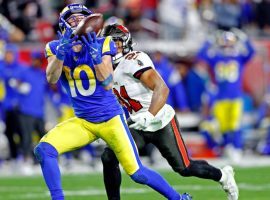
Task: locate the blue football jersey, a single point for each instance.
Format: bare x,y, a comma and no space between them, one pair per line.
89,99
227,69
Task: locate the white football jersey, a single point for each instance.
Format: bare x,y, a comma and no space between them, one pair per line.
132,93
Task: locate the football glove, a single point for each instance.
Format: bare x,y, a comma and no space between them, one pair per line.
141,120
65,41
94,47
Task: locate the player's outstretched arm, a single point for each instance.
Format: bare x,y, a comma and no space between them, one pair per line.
55,62
153,81
103,64
54,69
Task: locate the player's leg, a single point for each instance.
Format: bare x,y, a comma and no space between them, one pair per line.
209,129
12,127
66,136
111,174
111,170
172,147
221,112
235,123
170,143
118,137
27,128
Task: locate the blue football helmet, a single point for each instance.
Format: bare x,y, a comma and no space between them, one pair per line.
226,39
69,10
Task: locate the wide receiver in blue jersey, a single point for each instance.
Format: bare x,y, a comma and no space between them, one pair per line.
85,70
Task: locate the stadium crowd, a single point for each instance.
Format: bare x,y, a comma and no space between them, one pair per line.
196,84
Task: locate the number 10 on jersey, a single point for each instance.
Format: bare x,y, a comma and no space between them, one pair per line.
75,81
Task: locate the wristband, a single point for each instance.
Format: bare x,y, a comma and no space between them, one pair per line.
107,81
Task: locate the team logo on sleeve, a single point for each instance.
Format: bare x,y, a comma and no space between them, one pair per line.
140,63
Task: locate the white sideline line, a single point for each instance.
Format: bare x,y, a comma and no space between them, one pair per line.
93,191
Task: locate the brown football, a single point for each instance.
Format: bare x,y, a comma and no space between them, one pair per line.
93,22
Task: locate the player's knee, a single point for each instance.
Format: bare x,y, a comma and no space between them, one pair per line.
108,157
140,176
43,150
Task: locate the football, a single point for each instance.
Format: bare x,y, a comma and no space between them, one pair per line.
93,22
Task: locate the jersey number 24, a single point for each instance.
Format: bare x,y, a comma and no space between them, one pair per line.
125,100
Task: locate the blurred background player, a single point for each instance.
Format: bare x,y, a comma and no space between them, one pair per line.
8,33
2,96
32,93
12,72
2,93
87,79
227,54
209,126
143,92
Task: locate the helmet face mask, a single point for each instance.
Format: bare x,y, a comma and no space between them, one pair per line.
226,39
119,33
72,13
74,20
227,43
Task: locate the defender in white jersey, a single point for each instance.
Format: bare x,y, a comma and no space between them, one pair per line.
136,97
143,92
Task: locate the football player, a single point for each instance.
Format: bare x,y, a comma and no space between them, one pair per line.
32,92
143,92
85,70
12,72
2,95
227,54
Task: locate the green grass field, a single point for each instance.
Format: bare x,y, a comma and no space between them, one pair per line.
254,184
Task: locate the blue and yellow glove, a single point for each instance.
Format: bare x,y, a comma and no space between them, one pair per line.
94,47
66,41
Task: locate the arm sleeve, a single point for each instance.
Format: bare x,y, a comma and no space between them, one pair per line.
142,63
50,48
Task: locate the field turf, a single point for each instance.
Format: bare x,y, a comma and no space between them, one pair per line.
254,184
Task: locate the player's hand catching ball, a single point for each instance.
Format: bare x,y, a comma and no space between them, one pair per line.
93,46
65,41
